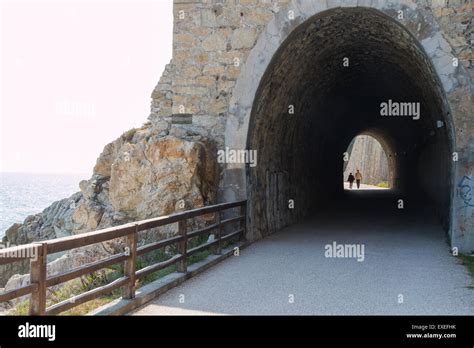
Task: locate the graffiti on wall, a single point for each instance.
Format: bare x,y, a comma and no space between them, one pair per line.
466,192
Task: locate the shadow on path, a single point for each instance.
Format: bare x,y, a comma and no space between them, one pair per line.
406,268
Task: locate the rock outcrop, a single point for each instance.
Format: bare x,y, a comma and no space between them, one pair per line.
140,175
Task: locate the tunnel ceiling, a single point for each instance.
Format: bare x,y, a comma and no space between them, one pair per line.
384,62
333,103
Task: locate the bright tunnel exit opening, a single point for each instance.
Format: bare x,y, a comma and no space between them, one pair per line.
365,165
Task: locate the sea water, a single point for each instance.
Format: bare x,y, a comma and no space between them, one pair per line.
23,194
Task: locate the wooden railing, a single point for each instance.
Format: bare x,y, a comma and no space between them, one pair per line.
40,282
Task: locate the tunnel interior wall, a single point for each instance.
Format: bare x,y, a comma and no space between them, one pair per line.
309,106
433,170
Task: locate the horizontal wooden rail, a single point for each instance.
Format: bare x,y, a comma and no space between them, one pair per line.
232,235
202,247
235,219
12,294
158,245
18,253
202,230
86,269
88,238
166,220
86,296
38,252
158,266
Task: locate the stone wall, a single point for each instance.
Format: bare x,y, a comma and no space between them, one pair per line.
213,38
455,18
211,41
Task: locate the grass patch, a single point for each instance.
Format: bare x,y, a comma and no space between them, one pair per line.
21,308
75,287
383,184
128,135
468,261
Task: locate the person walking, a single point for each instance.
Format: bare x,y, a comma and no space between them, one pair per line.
351,179
358,177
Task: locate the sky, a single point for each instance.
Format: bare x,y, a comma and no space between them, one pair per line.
75,75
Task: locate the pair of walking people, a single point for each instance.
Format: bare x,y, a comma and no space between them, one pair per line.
357,178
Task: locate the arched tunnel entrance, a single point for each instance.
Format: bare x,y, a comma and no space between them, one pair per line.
341,73
365,154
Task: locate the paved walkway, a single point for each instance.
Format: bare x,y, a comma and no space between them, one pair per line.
363,187
406,258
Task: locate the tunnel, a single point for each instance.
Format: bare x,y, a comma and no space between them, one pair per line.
341,73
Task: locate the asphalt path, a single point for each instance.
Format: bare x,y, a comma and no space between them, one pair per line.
405,267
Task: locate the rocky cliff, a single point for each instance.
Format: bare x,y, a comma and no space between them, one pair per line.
144,173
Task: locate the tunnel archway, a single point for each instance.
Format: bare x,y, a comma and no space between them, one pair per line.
325,84
300,64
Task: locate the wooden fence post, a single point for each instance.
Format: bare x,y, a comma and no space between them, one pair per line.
38,276
219,233
129,270
182,265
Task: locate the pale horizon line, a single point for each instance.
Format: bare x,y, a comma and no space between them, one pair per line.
44,173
